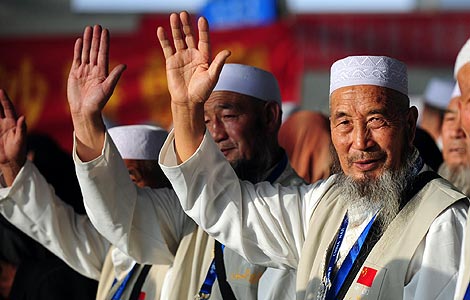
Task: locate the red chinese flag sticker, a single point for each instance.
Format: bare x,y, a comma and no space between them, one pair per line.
367,276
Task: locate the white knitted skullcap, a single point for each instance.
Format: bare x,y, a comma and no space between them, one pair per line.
369,70
438,92
138,141
462,58
250,81
456,91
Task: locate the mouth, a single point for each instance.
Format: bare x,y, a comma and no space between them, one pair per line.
226,151
458,150
365,165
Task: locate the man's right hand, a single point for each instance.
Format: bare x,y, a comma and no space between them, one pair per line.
191,77
89,87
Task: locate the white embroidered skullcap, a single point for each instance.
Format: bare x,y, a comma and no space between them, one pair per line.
250,81
462,58
138,141
369,70
456,91
438,92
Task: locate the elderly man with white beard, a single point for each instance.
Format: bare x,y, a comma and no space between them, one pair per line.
462,75
455,167
385,228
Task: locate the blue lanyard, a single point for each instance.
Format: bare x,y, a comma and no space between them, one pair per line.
467,293
281,166
117,295
206,288
346,266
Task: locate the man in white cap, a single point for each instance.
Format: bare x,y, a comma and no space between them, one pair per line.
436,98
31,204
243,115
385,227
462,75
456,164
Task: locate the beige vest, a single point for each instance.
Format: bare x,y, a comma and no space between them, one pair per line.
151,288
390,256
460,292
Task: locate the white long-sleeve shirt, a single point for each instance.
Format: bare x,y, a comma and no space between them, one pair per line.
267,224
32,205
149,224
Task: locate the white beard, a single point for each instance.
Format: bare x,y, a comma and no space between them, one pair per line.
367,196
459,176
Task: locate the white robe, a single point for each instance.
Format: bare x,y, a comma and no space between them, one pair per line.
270,225
32,206
148,224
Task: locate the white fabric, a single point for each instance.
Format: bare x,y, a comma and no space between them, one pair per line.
147,224
462,58
369,70
456,91
138,141
248,80
438,92
269,226
31,205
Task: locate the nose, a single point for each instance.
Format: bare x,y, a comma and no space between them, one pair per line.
361,138
457,130
217,130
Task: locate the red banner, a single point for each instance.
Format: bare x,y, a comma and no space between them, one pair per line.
34,72
419,39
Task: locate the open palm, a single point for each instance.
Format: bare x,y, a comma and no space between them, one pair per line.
12,136
191,75
89,85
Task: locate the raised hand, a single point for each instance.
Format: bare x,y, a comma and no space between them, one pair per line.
191,75
89,87
191,78
12,139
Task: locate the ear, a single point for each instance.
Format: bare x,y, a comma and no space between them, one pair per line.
136,175
412,118
273,114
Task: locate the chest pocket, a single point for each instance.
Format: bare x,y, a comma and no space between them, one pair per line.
368,283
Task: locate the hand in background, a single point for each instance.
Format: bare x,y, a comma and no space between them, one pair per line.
12,140
89,87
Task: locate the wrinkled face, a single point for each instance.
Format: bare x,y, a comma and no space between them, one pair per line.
369,131
464,105
454,147
233,121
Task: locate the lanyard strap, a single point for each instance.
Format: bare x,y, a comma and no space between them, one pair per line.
346,266
120,290
467,293
206,288
280,167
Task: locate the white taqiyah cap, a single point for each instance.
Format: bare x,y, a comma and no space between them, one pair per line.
369,70
456,91
438,92
462,58
141,142
248,80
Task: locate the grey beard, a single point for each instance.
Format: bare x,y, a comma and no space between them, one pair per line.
368,195
459,176
255,170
